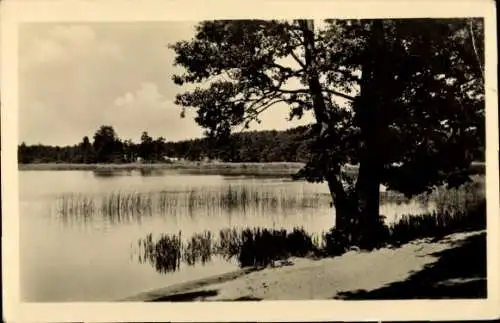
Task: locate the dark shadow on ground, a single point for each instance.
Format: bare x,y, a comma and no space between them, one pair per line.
188,297
460,273
243,298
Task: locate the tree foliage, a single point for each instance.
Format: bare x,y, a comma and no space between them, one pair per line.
403,98
428,86
107,145
250,146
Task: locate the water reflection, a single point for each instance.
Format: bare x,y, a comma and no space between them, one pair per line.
152,172
110,173
249,247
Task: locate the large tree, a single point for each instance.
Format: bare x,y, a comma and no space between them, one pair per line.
107,146
401,98
146,146
86,150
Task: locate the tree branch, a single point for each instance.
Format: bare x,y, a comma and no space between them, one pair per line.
263,108
297,91
295,32
297,59
342,95
268,95
306,91
268,105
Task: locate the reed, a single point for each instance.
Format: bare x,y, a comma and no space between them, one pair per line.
449,219
121,206
249,246
260,247
198,249
164,254
239,198
77,205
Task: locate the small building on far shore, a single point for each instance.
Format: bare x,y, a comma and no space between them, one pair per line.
171,159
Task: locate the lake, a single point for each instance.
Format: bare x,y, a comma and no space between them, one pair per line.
79,230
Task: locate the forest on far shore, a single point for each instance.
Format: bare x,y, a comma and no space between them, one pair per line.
106,147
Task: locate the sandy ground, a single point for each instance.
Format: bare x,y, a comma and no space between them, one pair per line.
325,278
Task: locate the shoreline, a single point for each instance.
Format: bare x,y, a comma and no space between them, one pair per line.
476,167
272,166
158,293
347,275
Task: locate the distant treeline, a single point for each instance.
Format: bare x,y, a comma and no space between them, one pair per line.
106,147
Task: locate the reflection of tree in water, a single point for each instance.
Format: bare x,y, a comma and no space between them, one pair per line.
151,172
110,173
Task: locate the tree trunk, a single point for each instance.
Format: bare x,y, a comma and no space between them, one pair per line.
344,207
368,200
356,215
370,121
342,203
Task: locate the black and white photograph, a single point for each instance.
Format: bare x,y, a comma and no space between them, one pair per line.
244,160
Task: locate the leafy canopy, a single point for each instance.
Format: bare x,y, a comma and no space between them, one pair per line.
430,95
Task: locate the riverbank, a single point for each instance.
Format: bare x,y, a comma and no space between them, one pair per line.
272,168
420,269
288,167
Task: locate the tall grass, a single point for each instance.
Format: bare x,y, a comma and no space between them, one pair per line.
77,205
468,192
436,224
263,246
198,249
164,254
468,196
119,205
456,209
256,247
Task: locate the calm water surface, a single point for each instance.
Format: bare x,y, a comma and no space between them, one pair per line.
92,257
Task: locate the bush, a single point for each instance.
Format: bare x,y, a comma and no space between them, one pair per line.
299,243
336,242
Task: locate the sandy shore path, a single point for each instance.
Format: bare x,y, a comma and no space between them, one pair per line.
420,269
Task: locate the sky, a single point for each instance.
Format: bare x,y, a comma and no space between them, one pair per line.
74,78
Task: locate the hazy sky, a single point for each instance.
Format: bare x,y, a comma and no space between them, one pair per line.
75,77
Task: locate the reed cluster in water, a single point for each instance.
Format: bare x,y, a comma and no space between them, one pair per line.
164,254
231,198
262,246
250,246
77,205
